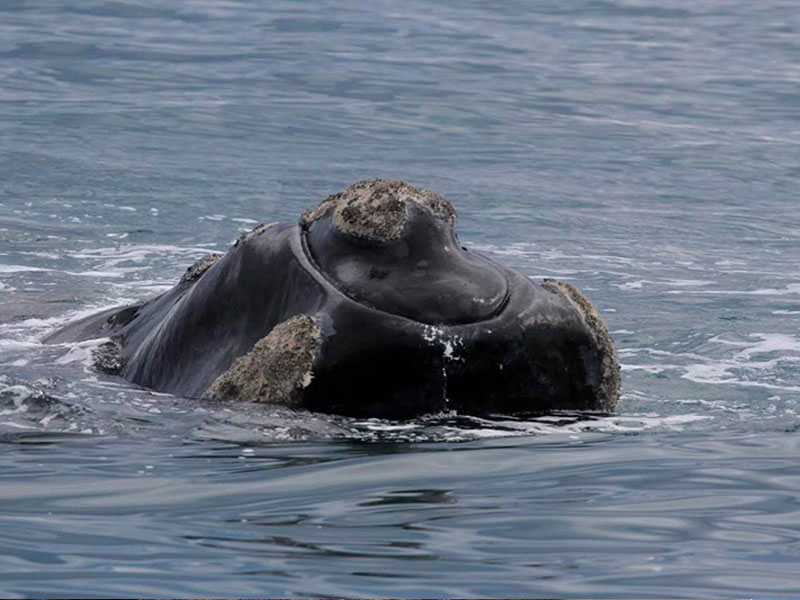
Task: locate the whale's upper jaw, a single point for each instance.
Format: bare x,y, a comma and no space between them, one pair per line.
391,246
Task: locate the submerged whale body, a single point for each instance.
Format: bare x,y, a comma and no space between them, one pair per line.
368,307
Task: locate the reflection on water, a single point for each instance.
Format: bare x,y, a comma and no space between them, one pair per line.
673,514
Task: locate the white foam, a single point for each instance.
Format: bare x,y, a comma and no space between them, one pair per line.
116,255
21,269
632,423
790,289
12,344
769,342
80,352
113,274
654,369
735,369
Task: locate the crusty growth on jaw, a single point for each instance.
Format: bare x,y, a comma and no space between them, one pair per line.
377,209
107,358
197,270
276,370
255,231
608,390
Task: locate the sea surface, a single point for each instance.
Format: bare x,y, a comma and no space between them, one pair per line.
647,151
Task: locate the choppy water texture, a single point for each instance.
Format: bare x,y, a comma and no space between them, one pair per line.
645,151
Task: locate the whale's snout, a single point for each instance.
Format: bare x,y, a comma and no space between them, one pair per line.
391,246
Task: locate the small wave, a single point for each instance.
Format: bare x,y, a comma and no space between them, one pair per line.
790,289
259,424
138,255
28,407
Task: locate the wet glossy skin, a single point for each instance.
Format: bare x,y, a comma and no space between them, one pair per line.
425,275
409,326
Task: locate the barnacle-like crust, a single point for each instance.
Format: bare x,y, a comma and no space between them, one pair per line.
607,392
276,370
377,209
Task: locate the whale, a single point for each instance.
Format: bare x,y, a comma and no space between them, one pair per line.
368,306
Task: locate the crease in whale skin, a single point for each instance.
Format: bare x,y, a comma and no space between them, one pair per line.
368,307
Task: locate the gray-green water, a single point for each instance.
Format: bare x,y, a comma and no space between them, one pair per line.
645,151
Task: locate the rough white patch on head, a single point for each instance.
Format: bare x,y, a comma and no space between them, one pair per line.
308,376
377,209
448,343
431,333
277,369
255,232
198,269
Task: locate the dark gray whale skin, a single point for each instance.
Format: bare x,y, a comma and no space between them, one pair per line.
407,322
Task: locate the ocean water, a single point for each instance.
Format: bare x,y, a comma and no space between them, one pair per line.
648,152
